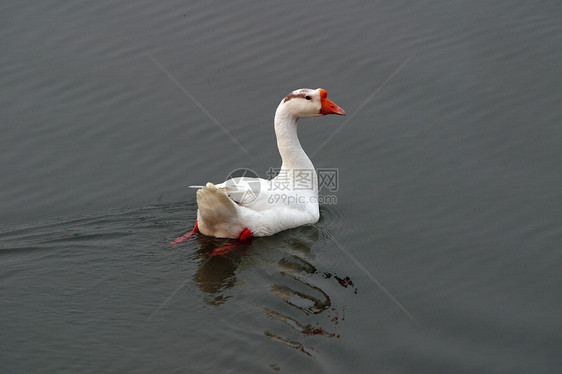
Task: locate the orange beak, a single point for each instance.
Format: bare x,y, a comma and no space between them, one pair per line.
328,106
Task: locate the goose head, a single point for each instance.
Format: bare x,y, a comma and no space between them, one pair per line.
306,102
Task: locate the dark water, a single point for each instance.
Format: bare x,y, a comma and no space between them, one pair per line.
442,254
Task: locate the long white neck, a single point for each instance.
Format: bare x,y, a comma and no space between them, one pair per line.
290,148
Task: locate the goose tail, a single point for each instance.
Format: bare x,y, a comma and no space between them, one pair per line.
217,215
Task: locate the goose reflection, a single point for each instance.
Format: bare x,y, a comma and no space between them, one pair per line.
295,281
215,274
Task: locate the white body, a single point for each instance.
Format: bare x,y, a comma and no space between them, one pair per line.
275,205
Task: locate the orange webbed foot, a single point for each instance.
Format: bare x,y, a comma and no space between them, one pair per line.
183,238
244,236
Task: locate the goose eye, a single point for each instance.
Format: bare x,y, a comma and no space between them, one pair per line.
308,97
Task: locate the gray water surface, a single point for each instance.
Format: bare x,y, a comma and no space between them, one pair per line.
441,255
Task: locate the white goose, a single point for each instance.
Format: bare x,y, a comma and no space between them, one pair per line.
245,207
